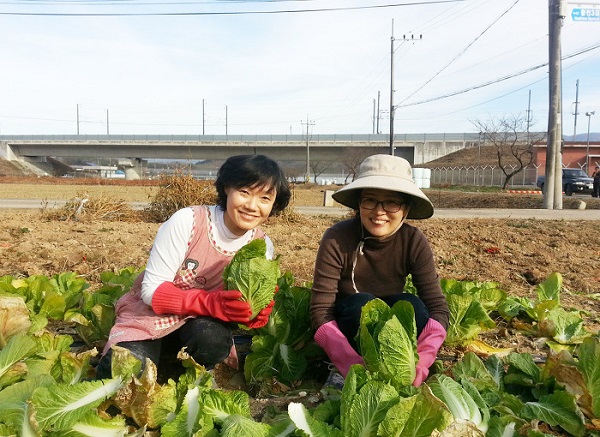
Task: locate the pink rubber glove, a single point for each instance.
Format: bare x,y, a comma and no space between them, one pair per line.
336,346
262,318
220,304
428,344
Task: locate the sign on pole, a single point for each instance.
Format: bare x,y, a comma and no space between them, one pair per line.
585,14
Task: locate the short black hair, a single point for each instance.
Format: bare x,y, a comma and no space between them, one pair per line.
250,171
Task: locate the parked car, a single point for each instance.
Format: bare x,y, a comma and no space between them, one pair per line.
574,180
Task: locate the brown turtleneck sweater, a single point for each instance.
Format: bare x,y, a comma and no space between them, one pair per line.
381,269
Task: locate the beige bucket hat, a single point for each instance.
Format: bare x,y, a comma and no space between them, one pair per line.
386,172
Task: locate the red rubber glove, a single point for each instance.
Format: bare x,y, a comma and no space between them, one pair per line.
220,304
262,318
336,346
428,344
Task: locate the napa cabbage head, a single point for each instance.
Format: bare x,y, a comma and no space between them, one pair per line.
253,275
387,341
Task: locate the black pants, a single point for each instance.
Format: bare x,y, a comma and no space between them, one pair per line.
206,339
348,309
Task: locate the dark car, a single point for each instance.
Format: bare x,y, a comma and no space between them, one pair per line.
574,180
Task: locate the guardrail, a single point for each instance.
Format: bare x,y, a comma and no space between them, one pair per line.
486,175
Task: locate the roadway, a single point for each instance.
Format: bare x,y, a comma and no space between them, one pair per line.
467,213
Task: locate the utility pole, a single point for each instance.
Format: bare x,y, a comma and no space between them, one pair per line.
377,131
203,119
392,106
553,184
107,132
308,124
392,93
225,119
587,150
78,119
528,121
576,113
374,115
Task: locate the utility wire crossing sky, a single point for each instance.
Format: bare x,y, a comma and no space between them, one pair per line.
278,66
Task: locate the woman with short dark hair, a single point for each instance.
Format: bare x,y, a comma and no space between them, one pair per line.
179,300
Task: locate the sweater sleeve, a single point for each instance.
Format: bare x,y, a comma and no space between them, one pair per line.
328,270
168,252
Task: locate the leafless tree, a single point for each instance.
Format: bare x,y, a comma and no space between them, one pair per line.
513,140
352,158
293,170
319,167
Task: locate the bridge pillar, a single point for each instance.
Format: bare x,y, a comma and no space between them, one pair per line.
133,168
8,152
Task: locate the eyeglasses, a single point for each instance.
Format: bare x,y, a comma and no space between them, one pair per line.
387,205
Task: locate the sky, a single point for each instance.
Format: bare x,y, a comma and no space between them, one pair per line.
219,67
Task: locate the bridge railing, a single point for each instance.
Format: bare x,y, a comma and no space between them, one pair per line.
250,138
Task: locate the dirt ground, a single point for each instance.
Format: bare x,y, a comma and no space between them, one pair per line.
518,254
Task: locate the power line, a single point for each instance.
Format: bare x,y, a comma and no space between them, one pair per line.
462,52
489,100
501,79
287,11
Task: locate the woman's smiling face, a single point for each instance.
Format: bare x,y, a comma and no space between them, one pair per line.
248,207
373,204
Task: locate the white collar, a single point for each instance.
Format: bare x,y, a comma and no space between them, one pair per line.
222,235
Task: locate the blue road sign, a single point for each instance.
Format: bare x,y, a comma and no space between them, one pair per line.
585,14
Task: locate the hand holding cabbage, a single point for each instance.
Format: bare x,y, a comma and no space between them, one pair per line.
255,277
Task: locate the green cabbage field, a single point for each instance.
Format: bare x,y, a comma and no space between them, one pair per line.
48,385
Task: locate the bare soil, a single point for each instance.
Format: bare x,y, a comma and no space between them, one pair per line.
516,253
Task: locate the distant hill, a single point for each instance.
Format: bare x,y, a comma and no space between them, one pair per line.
594,137
470,156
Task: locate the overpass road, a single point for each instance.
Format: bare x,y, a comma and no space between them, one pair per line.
132,152
467,213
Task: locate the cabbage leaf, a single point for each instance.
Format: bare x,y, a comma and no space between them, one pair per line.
308,425
60,406
589,366
418,415
462,405
282,347
14,317
253,275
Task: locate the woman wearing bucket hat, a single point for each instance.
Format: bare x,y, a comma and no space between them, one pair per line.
370,256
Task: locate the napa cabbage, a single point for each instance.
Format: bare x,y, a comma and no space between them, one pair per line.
283,346
253,275
464,405
387,341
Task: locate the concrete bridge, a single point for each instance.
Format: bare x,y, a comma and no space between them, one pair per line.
132,150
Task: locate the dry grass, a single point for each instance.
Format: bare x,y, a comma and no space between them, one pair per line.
85,208
176,192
